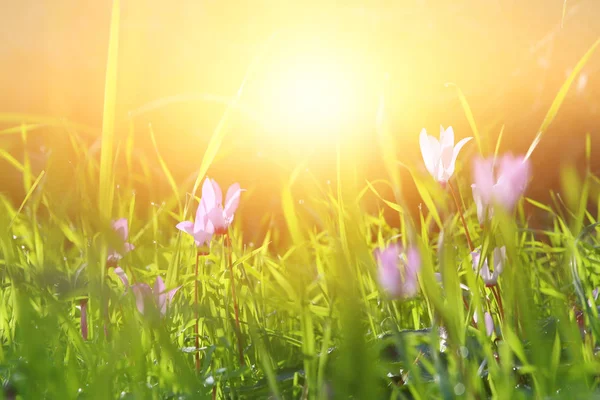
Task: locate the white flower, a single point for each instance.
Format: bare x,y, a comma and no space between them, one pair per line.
440,156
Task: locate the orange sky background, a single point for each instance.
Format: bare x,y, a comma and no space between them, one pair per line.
508,57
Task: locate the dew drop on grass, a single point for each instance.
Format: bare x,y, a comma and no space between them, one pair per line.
464,352
15,237
459,389
301,201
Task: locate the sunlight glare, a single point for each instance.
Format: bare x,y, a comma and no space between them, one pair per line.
308,99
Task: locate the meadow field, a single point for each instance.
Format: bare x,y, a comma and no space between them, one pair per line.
476,290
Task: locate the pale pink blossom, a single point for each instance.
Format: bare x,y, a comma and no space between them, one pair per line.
397,271
502,184
158,295
499,258
489,322
120,226
202,228
219,214
440,155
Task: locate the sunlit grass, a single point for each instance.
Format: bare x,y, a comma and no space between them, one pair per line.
313,321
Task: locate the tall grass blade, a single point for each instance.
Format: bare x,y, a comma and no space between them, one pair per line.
105,197
560,97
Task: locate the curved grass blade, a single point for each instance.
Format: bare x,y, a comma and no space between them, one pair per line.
165,168
560,97
29,193
468,114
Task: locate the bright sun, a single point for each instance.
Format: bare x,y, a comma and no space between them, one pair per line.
307,97
311,96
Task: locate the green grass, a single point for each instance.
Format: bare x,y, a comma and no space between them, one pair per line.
314,323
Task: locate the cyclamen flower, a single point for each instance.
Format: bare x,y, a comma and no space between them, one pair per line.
201,229
503,187
499,258
122,276
489,322
219,214
440,155
397,271
161,298
120,226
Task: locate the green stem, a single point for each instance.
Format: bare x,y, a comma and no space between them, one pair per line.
462,217
197,342
234,297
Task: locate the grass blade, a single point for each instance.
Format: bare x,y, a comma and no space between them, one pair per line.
560,97
108,116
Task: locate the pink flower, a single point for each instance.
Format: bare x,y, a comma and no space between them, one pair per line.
122,276
489,322
398,271
120,226
158,295
503,187
219,214
499,258
201,229
440,156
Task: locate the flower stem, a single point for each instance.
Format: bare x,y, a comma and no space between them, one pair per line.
462,217
83,316
197,342
234,297
498,301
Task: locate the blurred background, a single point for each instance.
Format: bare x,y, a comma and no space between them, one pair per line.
322,76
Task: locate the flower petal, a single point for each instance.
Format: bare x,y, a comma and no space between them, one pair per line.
186,226
478,203
218,220
452,165
513,176
209,197
446,137
128,247
122,276
218,193
201,217
483,175
159,286
113,257
142,292
427,151
166,299
389,275
202,238
499,259
489,324
120,226
232,200
413,257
